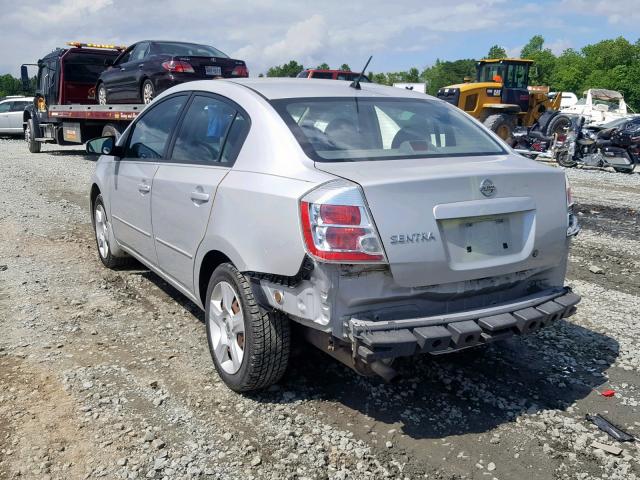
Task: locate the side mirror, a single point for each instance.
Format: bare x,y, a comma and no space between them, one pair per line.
108,62
24,76
104,146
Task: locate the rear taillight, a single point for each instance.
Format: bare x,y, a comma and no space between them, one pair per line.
337,225
561,137
240,71
177,66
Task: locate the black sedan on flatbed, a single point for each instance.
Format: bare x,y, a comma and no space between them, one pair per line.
149,67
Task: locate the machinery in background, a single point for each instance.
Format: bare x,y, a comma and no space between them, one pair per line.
502,98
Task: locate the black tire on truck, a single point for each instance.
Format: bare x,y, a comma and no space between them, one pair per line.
502,124
111,130
249,345
30,136
558,124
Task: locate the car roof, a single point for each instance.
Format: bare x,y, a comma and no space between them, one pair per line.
275,88
13,98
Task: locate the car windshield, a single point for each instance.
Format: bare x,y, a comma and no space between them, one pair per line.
358,129
187,50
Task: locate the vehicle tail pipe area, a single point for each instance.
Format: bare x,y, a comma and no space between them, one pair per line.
343,353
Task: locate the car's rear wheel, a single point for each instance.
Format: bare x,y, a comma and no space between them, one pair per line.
249,346
148,92
103,239
102,94
29,137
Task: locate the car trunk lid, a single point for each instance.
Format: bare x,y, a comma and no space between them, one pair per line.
212,67
437,226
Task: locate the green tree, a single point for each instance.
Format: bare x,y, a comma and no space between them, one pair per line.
444,73
496,51
323,66
345,67
545,61
9,85
290,69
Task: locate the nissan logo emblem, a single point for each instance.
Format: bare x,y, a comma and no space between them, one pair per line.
487,188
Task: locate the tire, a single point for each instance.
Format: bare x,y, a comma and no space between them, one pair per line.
251,353
29,137
101,95
557,124
502,124
564,160
147,92
100,228
111,130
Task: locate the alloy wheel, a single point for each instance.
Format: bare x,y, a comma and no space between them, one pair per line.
102,95
102,237
226,328
147,93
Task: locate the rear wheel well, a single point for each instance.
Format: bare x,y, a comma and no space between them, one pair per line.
210,262
95,191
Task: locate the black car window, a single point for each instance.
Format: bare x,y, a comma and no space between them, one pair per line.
139,52
235,138
326,75
186,50
203,132
18,106
151,132
125,57
5,107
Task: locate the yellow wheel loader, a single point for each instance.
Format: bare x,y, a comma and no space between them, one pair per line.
502,99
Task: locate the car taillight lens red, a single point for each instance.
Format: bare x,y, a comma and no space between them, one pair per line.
337,225
240,71
177,66
561,137
344,238
340,214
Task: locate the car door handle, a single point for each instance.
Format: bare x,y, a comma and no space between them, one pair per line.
200,196
144,188
122,69
141,65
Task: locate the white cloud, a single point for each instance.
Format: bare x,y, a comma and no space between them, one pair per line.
270,32
617,12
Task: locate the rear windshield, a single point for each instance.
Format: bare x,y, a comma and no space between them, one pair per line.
85,67
358,129
187,50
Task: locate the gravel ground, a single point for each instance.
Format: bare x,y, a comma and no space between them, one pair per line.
107,374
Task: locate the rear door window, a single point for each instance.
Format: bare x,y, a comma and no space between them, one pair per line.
18,106
203,132
150,136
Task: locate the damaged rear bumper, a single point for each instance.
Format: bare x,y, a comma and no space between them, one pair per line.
375,340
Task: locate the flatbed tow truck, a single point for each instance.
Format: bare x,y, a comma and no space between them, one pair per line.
65,110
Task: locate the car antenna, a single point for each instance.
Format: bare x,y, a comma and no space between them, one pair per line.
356,83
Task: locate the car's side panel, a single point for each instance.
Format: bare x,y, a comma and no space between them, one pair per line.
131,206
255,222
181,204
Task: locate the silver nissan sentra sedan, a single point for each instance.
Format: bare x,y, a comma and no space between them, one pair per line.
382,222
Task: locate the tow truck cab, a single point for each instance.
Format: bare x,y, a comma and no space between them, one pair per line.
65,109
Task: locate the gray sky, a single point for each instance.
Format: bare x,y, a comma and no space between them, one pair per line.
398,34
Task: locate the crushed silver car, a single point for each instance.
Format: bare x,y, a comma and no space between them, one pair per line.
383,222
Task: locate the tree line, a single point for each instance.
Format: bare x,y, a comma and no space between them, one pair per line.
613,64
